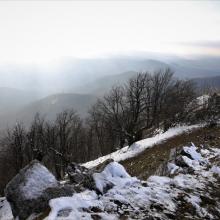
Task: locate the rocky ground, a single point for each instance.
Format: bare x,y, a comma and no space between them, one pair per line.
189,191
176,179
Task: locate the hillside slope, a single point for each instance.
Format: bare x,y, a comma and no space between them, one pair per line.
104,84
152,160
174,189
182,182
50,107
12,99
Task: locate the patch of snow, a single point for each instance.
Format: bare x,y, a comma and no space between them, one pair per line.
195,201
204,152
76,203
38,178
138,147
192,151
115,169
191,163
5,210
159,180
113,173
172,168
202,100
216,170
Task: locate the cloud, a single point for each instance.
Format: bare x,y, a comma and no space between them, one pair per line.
204,44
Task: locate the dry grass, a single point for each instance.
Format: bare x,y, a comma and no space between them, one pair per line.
146,163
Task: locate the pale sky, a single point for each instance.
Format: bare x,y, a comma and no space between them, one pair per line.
43,31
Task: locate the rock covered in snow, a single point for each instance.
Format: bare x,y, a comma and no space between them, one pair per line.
85,178
187,161
191,152
31,189
173,168
113,174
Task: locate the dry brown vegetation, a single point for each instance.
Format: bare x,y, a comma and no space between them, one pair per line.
148,162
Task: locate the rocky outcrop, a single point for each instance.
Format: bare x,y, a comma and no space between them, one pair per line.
80,175
84,178
31,189
190,190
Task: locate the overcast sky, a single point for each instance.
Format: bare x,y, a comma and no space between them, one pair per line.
36,32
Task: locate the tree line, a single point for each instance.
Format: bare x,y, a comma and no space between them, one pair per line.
126,114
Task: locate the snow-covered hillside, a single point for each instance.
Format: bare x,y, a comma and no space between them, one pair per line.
159,197
188,190
138,147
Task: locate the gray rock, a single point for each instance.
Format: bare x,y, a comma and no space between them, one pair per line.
59,191
184,153
102,166
180,162
31,189
77,173
83,178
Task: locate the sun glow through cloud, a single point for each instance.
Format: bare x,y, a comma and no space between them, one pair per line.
36,32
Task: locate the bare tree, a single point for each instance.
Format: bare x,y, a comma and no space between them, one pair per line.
68,125
36,146
15,141
140,105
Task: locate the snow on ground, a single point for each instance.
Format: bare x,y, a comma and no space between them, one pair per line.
216,170
113,174
172,168
5,210
192,151
180,194
138,147
202,100
160,197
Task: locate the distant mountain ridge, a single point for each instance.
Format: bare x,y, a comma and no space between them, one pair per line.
73,74
49,107
104,84
78,82
12,99
213,82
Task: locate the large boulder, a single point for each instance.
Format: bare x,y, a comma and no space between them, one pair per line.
31,189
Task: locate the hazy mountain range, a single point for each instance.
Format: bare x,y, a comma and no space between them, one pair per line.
77,84
48,107
73,74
